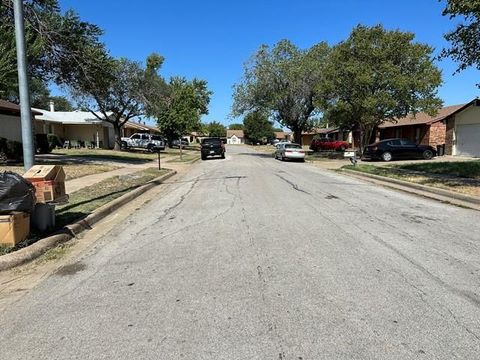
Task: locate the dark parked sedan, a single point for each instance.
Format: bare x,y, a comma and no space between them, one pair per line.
396,149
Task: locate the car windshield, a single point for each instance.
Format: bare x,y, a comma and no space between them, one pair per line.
211,141
292,146
156,137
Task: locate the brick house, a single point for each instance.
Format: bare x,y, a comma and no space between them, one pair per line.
462,136
421,128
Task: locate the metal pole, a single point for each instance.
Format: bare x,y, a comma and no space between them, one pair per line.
159,167
25,110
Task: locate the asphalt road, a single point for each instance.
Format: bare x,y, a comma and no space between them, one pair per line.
253,258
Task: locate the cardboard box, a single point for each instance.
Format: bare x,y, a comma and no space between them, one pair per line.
14,228
49,182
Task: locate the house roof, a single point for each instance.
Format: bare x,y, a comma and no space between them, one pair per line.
70,117
139,126
282,134
237,133
318,131
422,118
8,108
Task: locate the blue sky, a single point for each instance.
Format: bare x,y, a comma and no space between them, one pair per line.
212,39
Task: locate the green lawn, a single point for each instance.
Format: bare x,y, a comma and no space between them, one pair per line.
101,154
86,200
455,176
72,171
464,169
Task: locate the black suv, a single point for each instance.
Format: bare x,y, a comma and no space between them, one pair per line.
396,149
212,147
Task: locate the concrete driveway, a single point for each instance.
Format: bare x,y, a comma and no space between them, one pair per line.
253,258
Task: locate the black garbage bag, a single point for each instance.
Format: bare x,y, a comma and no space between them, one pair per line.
16,193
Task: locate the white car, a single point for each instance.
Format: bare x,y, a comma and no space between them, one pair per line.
289,151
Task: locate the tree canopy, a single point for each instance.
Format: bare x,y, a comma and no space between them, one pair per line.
377,75
257,127
112,89
215,129
57,44
282,81
465,38
235,127
180,109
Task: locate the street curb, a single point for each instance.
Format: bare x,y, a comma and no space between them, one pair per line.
38,248
471,202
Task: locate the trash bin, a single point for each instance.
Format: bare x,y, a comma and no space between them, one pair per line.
440,150
43,217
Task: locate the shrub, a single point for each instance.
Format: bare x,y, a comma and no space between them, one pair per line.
54,141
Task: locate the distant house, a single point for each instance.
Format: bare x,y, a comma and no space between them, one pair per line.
84,127
282,135
454,130
331,133
10,124
235,137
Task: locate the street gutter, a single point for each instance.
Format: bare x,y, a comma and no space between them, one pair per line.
446,196
38,248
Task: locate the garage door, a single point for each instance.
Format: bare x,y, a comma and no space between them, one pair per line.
468,140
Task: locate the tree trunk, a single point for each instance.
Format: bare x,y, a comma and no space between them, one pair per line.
118,137
365,135
297,136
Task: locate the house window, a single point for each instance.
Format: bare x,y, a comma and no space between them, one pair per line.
417,135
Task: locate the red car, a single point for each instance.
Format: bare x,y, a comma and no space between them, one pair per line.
328,144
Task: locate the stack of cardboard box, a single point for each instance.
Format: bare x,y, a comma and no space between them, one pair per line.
49,182
14,227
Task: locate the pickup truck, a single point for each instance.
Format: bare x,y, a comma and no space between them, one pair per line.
147,142
328,144
212,147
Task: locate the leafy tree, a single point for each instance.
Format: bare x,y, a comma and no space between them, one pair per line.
55,44
377,75
465,38
257,127
283,82
215,129
112,90
61,103
235,127
178,111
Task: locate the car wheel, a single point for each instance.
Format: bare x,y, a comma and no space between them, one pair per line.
223,156
341,148
386,156
204,157
123,145
428,154
150,148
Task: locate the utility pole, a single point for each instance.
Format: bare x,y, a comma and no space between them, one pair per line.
25,110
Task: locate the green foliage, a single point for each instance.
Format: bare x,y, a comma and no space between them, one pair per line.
10,150
464,39
179,110
257,127
58,45
283,82
115,88
377,75
215,129
235,127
